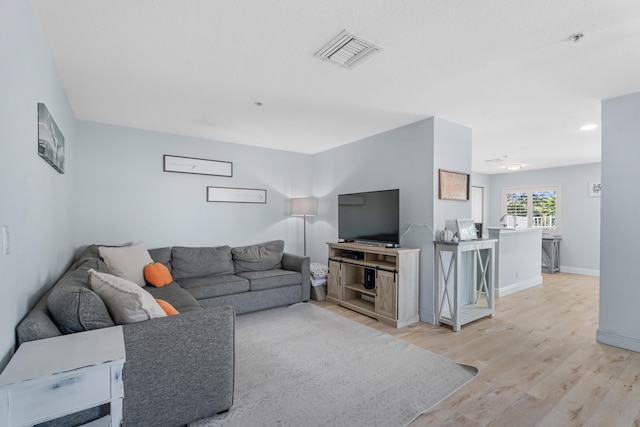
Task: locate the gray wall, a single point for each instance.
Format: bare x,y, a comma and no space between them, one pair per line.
580,245
407,158
125,196
36,201
620,257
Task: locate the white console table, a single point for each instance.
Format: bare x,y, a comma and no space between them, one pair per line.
464,281
50,378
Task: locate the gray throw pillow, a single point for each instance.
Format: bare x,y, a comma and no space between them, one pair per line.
199,262
78,309
260,257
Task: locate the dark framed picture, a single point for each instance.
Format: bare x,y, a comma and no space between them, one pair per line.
453,185
197,166
50,139
236,195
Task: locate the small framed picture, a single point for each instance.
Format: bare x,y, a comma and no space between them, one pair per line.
236,195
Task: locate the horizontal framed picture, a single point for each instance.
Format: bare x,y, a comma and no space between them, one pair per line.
197,166
236,195
453,185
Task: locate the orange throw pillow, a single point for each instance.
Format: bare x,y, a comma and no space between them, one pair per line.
157,274
168,308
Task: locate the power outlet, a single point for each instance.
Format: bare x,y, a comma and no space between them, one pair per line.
6,240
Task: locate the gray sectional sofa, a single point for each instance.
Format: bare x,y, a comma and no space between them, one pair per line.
179,368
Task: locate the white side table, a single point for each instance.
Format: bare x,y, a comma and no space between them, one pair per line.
47,379
551,254
459,285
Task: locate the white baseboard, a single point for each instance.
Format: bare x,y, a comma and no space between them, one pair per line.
518,286
427,317
610,338
583,271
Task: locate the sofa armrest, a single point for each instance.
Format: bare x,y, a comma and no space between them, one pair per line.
179,369
301,264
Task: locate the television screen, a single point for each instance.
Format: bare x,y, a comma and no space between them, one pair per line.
373,216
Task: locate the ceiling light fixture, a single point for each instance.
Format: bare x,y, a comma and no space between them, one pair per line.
590,126
497,159
513,167
576,37
347,50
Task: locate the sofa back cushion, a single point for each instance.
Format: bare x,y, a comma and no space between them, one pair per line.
260,257
197,262
162,255
78,309
75,307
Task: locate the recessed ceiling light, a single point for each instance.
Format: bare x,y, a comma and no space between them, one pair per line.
589,127
513,166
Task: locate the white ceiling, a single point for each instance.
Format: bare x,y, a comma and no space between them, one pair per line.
505,68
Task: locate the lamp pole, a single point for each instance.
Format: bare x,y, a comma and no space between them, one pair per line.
304,232
304,206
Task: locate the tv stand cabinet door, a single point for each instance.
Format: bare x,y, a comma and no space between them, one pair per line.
386,294
334,282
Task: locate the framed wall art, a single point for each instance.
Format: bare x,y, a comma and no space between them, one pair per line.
197,166
50,139
595,188
453,185
236,195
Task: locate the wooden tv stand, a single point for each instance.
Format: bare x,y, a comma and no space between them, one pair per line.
393,299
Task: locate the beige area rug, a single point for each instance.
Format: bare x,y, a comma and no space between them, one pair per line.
303,365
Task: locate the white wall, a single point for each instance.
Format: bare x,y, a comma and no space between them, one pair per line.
580,245
452,148
620,257
407,158
35,200
124,194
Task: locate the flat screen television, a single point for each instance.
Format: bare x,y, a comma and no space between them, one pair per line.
370,217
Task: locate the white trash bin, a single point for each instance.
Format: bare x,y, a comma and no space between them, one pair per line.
319,274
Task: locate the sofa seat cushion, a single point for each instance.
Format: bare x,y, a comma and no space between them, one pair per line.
200,262
270,279
215,286
176,296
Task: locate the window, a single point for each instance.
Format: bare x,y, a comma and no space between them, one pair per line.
532,207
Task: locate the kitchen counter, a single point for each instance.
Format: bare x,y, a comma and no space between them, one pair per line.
518,254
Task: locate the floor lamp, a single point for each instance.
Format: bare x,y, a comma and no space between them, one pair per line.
304,207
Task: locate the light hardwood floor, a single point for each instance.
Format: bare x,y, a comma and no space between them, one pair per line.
538,359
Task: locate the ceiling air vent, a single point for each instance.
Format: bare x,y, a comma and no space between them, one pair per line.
347,50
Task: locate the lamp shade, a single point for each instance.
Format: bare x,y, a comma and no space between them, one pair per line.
304,206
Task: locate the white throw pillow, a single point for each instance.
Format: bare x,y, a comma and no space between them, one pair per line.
126,301
127,262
